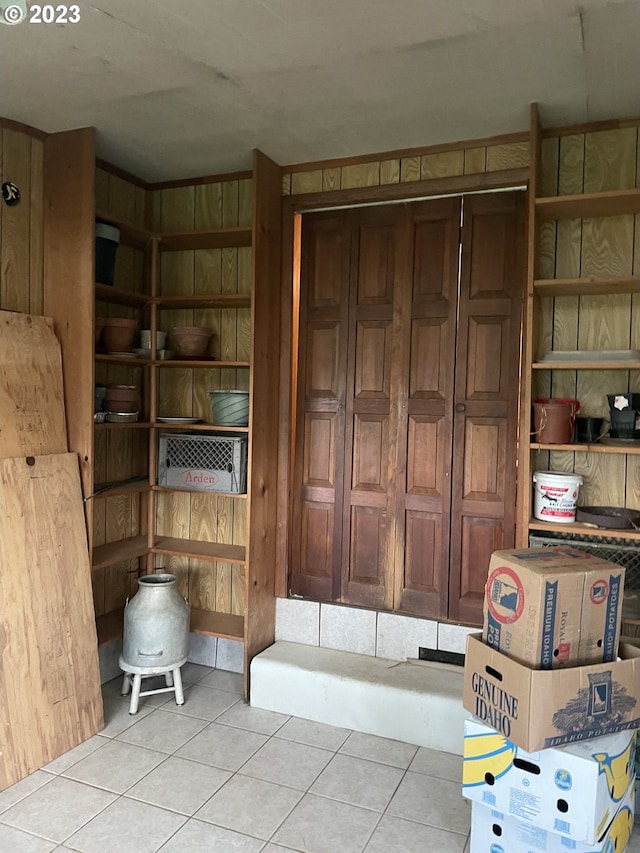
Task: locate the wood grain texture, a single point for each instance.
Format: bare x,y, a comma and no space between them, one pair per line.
286,184
49,671
32,418
514,155
331,179
15,225
475,160
366,175
36,237
443,165
306,182
410,169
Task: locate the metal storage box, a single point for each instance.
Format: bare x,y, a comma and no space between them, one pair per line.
206,463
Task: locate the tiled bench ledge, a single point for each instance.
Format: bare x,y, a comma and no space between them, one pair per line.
415,702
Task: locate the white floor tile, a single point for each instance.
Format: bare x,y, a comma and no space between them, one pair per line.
192,673
180,785
222,746
12,795
358,782
295,765
207,703
436,802
58,809
116,766
318,825
381,749
162,731
59,765
116,713
221,679
394,835
243,716
313,734
199,837
270,805
444,765
16,841
127,826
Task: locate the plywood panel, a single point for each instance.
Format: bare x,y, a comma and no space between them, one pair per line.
36,248
390,171
410,169
50,676
475,160
361,175
513,155
331,179
306,182
15,226
32,419
443,165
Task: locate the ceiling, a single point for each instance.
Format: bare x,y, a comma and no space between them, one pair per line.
183,88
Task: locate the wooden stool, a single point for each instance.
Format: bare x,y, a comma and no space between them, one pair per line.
133,676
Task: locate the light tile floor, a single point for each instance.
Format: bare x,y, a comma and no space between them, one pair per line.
218,776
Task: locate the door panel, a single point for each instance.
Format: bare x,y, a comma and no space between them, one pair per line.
425,391
486,395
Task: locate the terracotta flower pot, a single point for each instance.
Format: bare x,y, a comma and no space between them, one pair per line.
122,398
119,334
190,341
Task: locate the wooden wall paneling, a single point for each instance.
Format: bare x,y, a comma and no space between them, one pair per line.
361,175
208,206
102,189
36,246
50,675
245,202
475,160
568,248
545,263
604,478
442,165
512,155
632,491
389,172
307,182
203,527
286,184
122,199
410,169
331,179
15,225
69,187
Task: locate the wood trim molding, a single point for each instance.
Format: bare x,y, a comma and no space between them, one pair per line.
504,139
484,181
207,179
19,127
121,173
590,127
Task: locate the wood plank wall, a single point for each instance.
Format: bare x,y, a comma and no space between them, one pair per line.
184,392
509,152
591,162
119,453
21,227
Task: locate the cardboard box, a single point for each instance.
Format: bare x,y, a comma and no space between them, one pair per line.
493,832
552,607
537,708
574,790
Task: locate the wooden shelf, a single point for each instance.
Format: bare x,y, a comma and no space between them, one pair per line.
118,359
130,235
106,293
205,362
136,425
586,365
110,626
583,529
590,448
202,550
108,490
200,428
225,625
610,203
118,552
586,286
210,238
241,495
214,300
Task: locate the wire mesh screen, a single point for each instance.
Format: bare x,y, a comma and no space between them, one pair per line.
607,547
203,462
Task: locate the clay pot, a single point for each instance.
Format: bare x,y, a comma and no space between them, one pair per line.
122,398
190,341
118,334
99,325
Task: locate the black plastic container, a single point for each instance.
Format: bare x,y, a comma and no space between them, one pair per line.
625,415
106,247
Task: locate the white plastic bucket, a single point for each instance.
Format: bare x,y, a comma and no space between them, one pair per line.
555,496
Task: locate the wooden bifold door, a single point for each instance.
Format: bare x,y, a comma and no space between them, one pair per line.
407,402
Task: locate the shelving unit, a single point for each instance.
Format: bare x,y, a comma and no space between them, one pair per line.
582,288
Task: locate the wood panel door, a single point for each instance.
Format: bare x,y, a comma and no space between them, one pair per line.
486,394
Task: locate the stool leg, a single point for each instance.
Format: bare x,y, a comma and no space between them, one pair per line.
168,677
177,681
126,684
135,693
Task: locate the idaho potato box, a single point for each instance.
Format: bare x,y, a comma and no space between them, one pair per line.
575,790
540,708
551,607
494,832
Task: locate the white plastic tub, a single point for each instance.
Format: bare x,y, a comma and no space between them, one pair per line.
555,496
